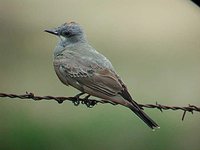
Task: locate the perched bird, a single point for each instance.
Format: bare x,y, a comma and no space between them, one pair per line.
78,64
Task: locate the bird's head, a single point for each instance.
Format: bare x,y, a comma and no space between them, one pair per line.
69,33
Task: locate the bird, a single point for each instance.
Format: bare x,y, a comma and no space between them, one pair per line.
81,66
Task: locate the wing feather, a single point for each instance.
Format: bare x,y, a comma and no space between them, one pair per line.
89,74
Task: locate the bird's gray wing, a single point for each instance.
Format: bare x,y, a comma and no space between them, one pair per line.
91,75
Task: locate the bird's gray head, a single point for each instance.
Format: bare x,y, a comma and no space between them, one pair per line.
69,33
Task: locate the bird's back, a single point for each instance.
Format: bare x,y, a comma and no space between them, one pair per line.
86,52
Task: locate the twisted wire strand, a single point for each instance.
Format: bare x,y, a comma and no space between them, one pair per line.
91,102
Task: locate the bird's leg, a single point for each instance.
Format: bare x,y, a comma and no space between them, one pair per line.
76,101
86,101
89,103
78,95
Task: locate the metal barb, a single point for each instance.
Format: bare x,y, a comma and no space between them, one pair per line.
183,116
159,106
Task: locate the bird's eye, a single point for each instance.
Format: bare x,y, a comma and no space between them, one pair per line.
67,33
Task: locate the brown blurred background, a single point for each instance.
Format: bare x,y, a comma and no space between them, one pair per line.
154,46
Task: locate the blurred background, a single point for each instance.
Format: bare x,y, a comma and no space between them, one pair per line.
154,46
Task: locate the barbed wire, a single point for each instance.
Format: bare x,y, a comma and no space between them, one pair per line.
92,102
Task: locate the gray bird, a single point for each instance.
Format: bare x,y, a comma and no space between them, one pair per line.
78,64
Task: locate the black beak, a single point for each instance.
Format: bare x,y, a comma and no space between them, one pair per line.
52,31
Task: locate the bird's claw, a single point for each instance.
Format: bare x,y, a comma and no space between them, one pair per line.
76,100
89,103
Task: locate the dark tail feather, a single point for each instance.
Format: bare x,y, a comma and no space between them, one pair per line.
144,116
138,110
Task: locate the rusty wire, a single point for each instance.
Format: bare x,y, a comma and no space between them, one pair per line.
91,102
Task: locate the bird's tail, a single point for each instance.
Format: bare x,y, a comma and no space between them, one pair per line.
139,112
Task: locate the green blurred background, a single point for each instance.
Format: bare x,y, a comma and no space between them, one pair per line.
154,46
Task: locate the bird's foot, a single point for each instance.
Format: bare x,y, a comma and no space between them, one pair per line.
89,103
76,100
